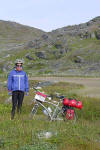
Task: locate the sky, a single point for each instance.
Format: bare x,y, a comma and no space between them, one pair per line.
49,14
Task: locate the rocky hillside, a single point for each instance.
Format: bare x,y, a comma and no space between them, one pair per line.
16,35
72,50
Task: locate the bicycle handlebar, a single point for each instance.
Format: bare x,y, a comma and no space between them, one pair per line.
57,95
35,88
61,97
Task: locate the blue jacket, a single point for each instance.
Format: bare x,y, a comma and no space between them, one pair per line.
18,80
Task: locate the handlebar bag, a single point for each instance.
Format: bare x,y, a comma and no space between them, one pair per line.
40,96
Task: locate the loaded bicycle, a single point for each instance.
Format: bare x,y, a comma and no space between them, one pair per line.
60,109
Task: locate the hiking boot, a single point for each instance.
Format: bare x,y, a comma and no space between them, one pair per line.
18,111
12,116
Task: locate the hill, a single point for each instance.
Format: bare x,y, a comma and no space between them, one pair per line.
72,50
13,34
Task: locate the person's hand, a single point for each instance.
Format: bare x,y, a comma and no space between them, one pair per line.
9,92
26,94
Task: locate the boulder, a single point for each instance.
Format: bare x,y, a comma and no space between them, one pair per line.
30,44
78,59
62,51
44,36
93,35
41,54
34,44
6,67
97,33
58,46
45,83
29,57
84,35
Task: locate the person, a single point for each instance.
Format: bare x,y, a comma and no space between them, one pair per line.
17,86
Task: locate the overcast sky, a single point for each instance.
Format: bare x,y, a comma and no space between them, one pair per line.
49,14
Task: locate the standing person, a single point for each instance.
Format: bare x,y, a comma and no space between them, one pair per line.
17,86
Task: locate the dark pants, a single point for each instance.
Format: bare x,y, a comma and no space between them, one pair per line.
17,100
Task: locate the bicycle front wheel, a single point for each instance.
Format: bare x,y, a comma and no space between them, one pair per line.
34,111
58,116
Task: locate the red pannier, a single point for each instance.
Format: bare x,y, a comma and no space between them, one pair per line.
79,105
72,103
70,114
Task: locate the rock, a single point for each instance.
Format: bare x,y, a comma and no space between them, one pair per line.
56,65
56,54
84,35
46,134
93,67
62,51
44,36
95,20
59,35
34,44
9,100
8,55
6,67
50,46
98,34
29,57
78,59
41,54
30,44
58,46
46,83
93,35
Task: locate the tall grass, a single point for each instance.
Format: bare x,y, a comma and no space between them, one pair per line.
23,133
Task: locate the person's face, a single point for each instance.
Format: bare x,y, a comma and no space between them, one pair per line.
19,67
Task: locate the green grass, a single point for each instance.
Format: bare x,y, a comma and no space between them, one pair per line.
22,133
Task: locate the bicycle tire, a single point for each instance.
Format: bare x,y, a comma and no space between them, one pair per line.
34,111
59,116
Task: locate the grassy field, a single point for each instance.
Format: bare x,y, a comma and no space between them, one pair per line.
24,134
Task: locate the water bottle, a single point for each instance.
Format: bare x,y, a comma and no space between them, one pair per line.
45,112
49,110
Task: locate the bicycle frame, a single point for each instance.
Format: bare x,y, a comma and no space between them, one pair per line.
51,115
